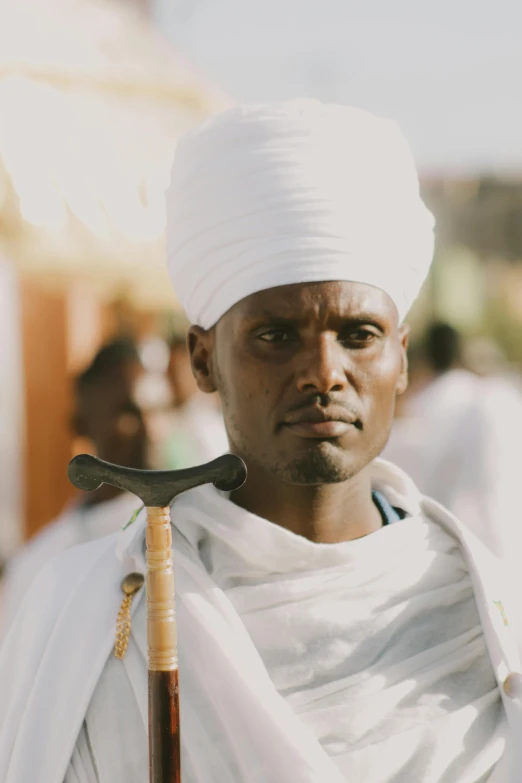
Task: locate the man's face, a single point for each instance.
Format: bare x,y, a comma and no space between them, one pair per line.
112,417
308,375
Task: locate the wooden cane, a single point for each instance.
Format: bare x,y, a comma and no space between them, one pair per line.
157,489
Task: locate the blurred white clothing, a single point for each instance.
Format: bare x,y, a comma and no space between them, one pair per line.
459,440
75,525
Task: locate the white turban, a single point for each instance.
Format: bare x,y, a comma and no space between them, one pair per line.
264,196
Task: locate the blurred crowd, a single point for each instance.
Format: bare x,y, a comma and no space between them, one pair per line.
134,405
456,433
458,429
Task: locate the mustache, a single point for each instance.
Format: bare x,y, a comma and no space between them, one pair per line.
325,400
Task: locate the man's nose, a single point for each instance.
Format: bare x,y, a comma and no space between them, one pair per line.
322,367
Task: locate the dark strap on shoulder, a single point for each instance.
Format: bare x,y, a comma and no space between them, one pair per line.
389,513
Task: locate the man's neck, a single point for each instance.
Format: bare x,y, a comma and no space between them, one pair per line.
327,514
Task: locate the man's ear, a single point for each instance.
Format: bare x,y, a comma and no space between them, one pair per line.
201,348
404,337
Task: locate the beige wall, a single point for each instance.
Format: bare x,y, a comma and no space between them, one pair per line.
47,405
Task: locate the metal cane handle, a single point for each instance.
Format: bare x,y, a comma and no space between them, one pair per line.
156,487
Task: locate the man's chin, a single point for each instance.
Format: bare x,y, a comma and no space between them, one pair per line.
323,463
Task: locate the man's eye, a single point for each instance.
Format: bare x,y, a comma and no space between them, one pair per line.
359,336
274,336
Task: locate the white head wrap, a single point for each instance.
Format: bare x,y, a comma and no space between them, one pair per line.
264,196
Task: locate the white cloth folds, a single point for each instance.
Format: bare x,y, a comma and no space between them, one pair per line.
376,645
236,726
75,525
265,196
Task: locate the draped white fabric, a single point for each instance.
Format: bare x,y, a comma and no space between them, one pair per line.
75,525
264,196
362,661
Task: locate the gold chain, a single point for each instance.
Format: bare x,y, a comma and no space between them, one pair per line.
130,586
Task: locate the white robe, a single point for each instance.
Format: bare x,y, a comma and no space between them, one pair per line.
66,642
75,525
459,440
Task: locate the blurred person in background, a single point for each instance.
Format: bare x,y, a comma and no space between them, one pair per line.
457,435
109,413
484,357
192,432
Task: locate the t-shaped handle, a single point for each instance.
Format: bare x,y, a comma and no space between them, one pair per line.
156,488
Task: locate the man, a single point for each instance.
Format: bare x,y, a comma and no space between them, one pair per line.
458,436
108,412
192,432
333,624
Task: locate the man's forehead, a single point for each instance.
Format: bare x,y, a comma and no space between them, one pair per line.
299,300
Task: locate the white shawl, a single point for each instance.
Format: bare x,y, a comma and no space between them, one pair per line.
67,650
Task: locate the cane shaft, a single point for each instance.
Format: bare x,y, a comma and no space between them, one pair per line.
164,739
164,742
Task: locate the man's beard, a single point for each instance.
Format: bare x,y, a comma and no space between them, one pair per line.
320,465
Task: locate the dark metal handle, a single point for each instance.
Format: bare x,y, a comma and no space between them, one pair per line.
156,487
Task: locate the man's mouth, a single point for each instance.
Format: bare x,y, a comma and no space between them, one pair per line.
317,422
319,429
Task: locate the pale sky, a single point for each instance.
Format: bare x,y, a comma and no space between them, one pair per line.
450,71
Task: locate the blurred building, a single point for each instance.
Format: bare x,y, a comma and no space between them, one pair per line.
92,101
